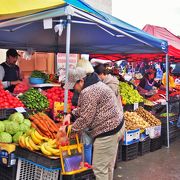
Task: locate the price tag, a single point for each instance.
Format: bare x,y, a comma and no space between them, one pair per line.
20,109
136,105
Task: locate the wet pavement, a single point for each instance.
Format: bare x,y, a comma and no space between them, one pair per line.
163,164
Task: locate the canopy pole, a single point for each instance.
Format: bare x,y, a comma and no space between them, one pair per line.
167,97
68,39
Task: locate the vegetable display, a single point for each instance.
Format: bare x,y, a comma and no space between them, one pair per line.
134,121
9,101
129,94
39,74
148,117
44,125
11,129
34,100
56,94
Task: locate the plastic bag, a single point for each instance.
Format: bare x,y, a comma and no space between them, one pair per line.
86,138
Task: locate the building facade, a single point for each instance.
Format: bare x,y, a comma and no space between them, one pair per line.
103,5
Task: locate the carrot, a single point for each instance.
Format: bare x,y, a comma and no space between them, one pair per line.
50,121
33,125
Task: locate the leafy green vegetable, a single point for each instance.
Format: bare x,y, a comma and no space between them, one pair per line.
12,127
5,137
24,127
129,94
2,126
16,117
16,136
27,122
165,115
39,74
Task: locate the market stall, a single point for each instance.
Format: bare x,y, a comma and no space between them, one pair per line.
106,34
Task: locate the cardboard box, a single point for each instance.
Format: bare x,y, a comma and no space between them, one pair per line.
131,136
7,154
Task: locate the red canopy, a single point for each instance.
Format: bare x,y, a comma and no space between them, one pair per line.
159,32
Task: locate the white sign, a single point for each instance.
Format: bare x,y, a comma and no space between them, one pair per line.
61,64
20,109
136,106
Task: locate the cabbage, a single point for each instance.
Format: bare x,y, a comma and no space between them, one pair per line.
12,127
17,117
5,137
16,136
27,122
2,126
24,127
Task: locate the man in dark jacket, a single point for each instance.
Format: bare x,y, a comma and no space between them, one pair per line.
9,71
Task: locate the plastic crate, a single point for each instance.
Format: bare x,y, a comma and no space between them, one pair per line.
5,113
37,158
27,170
86,175
156,144
8,173
129,152
144,147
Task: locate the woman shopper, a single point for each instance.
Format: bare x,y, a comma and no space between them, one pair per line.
98,111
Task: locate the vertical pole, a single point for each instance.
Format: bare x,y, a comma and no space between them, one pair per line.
68,39
167,98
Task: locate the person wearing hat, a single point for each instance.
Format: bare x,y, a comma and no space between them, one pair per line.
9,71
147,82
98,111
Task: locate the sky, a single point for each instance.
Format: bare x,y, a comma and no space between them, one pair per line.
164,13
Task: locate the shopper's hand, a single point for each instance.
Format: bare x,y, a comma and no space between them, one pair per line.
67,120
15,82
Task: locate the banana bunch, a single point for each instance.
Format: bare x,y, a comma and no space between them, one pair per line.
33,141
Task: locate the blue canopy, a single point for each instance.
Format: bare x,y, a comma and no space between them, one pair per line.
92,31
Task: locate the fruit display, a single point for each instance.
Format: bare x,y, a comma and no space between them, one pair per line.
176,93
34,100
44,125
20,88
9,101
148,102
134,121
129,94
14,127
34,141
160,95
148,117
56,94
165,115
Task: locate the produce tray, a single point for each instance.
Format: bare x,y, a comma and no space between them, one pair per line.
171,119
144,147
86,175
129,152
38,158
8,173
5,113
156,144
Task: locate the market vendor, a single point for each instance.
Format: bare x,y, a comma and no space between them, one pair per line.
171,79
98,111
147,82
9,71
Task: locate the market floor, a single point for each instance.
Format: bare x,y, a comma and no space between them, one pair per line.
163,164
